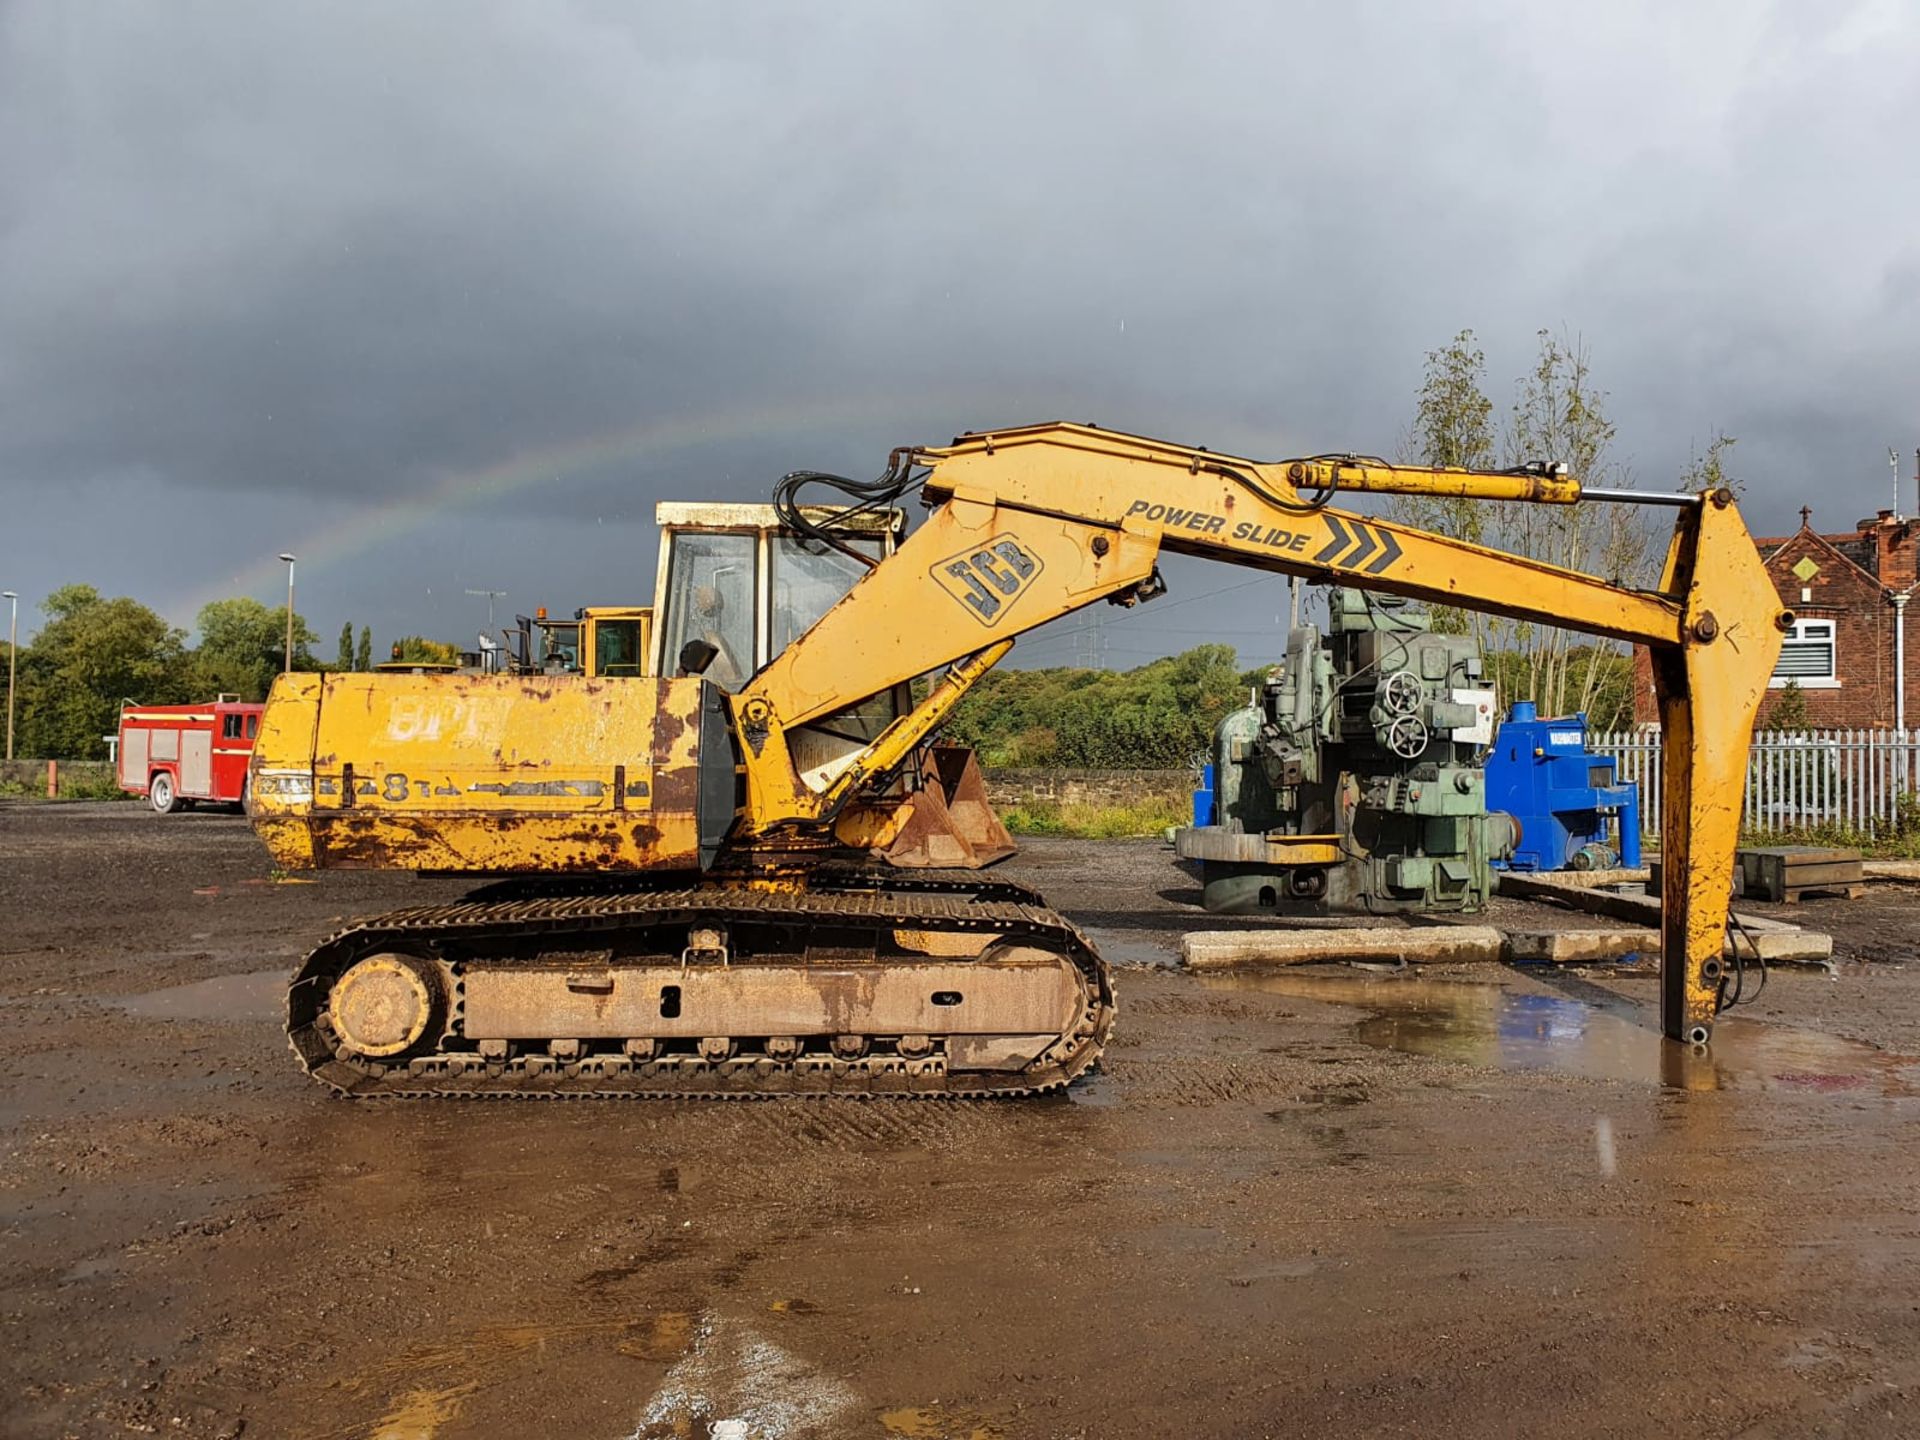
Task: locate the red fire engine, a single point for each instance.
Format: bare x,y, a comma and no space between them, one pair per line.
177,754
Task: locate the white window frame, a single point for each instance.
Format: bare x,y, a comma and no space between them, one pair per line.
1806,632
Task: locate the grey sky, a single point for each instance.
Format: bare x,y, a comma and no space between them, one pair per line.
447,295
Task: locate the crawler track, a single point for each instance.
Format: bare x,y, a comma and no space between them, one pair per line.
846,921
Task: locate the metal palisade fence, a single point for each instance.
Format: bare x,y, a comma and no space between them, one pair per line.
1850,778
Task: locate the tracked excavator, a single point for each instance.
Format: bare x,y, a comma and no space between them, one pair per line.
752,870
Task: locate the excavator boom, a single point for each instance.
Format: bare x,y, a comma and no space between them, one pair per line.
1033,523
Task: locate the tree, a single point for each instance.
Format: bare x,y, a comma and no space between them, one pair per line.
345,662
1558,414
242,643
1708,472
1788,713
1452,425
363,653
418,650
92,654
1160,715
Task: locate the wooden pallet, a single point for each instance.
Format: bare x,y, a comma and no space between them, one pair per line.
1784,873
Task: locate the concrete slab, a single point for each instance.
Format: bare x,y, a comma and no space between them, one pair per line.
1427,945
1577,947
1758,938
1584,879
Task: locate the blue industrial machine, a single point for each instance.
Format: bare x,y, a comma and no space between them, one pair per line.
1203,796
1564,800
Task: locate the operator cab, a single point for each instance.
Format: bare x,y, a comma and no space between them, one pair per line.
559,643
598,640
734,579
616,639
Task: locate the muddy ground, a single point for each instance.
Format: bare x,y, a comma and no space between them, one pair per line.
1316,1204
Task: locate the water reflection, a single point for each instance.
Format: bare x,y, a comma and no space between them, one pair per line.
1517,1027
261,995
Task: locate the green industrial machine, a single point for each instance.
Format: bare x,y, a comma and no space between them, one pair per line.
1353,783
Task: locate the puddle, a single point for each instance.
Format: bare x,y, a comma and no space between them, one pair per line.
663,1339
261,995
419,1414
1097,1092
1604,1038
935,1422
1122,949
90,1267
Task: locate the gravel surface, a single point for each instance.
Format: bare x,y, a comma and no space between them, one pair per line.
1476,1203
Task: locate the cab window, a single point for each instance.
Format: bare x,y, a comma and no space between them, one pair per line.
230,727
616,647
253,726
560,647
710,597
808,580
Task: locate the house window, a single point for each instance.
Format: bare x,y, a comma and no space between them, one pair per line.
1807,657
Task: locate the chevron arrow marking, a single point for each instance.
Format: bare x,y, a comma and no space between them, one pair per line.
1387,556
1339,542
1353,543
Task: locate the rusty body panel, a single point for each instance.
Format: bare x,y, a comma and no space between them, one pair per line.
484,774
1017,991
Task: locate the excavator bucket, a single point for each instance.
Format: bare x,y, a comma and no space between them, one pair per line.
949,821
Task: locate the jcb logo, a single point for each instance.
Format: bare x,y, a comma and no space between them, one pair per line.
988,578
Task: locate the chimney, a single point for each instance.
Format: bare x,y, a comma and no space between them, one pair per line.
1893,549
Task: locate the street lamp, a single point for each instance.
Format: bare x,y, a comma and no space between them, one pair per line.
289,559
13,653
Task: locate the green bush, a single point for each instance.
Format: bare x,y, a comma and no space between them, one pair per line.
1157,717
92,784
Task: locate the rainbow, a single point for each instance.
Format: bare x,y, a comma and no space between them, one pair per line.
640,446
805,427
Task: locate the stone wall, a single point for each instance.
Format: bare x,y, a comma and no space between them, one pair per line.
1017,786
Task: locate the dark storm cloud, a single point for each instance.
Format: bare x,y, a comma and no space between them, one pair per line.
265,268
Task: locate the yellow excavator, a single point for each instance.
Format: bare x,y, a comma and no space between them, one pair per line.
751,869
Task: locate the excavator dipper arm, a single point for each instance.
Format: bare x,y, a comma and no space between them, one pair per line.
1032,524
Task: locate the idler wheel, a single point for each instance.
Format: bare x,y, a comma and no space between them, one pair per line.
384,1004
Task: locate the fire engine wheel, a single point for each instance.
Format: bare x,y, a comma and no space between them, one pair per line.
160,793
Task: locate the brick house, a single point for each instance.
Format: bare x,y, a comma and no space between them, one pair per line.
1850,594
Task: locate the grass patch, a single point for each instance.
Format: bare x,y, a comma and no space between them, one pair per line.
85,780
1096,822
